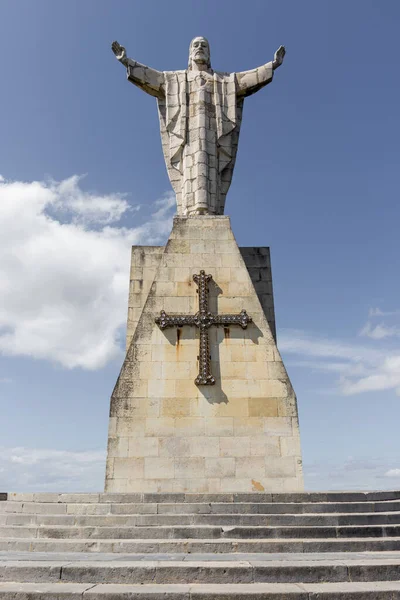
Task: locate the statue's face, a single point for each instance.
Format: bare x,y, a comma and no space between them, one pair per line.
199,51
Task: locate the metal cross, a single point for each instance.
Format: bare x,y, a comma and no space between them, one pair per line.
203,319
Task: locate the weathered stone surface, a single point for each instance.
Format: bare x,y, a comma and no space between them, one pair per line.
258,263
202,591
168,435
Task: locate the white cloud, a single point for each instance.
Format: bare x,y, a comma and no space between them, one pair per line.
303,344
393,473
47,470
377,312
85,207
385,376
64,267
361,368
352,474
380,331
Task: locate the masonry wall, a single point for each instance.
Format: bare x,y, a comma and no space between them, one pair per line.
165,433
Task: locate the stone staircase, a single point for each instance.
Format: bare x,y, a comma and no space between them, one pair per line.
299,546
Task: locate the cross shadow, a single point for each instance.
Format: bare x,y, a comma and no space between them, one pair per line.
214,394
218,335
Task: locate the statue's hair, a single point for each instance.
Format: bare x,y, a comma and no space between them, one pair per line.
191,47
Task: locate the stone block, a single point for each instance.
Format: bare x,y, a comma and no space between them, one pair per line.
198,485
220,467
234,407
175,407
244,353
130,426
19,497
219,426
228,305
265,445
230,260
189,426
161,388
248,426
273,388
174,446
143,447
79,498
159,468
257,370
234,446
287,408
142,352
239,288
46,497
280,467
148,486
176,305
189,468
159,427
202,446
234,370
177,370
278,426
128,468
252,467
118,447
150,370
236,485
290,446
112,427
181,274
263,407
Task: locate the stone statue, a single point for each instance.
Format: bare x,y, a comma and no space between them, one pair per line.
200,114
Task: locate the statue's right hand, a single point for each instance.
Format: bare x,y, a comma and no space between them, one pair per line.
118,50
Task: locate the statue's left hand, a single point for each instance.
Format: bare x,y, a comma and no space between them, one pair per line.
119,51
279,56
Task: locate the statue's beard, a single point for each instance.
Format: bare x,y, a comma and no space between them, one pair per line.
200,60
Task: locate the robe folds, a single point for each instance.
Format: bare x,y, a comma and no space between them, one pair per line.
200,116
216,122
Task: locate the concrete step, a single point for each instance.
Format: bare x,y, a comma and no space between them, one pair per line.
200,532
221,572
126,508
202,546
321,519
387,590
255,497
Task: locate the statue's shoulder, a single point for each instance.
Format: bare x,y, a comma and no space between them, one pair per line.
178,76
222,75
177,73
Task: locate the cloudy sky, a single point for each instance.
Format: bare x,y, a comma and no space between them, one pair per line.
83,178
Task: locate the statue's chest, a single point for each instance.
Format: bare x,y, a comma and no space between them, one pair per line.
201,84
201,94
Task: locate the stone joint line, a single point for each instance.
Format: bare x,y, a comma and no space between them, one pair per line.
203,319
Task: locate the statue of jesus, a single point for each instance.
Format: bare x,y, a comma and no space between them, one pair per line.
200,114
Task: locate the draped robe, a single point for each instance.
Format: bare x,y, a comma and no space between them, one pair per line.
200,116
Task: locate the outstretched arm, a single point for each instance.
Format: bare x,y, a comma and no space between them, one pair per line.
250,82
149,80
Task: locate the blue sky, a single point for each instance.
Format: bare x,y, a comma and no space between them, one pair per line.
317,179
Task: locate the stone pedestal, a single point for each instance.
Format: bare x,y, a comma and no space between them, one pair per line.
168,435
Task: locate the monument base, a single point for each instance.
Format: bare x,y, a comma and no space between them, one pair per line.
166,433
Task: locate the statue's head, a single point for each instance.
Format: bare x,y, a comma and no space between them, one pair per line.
199,52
